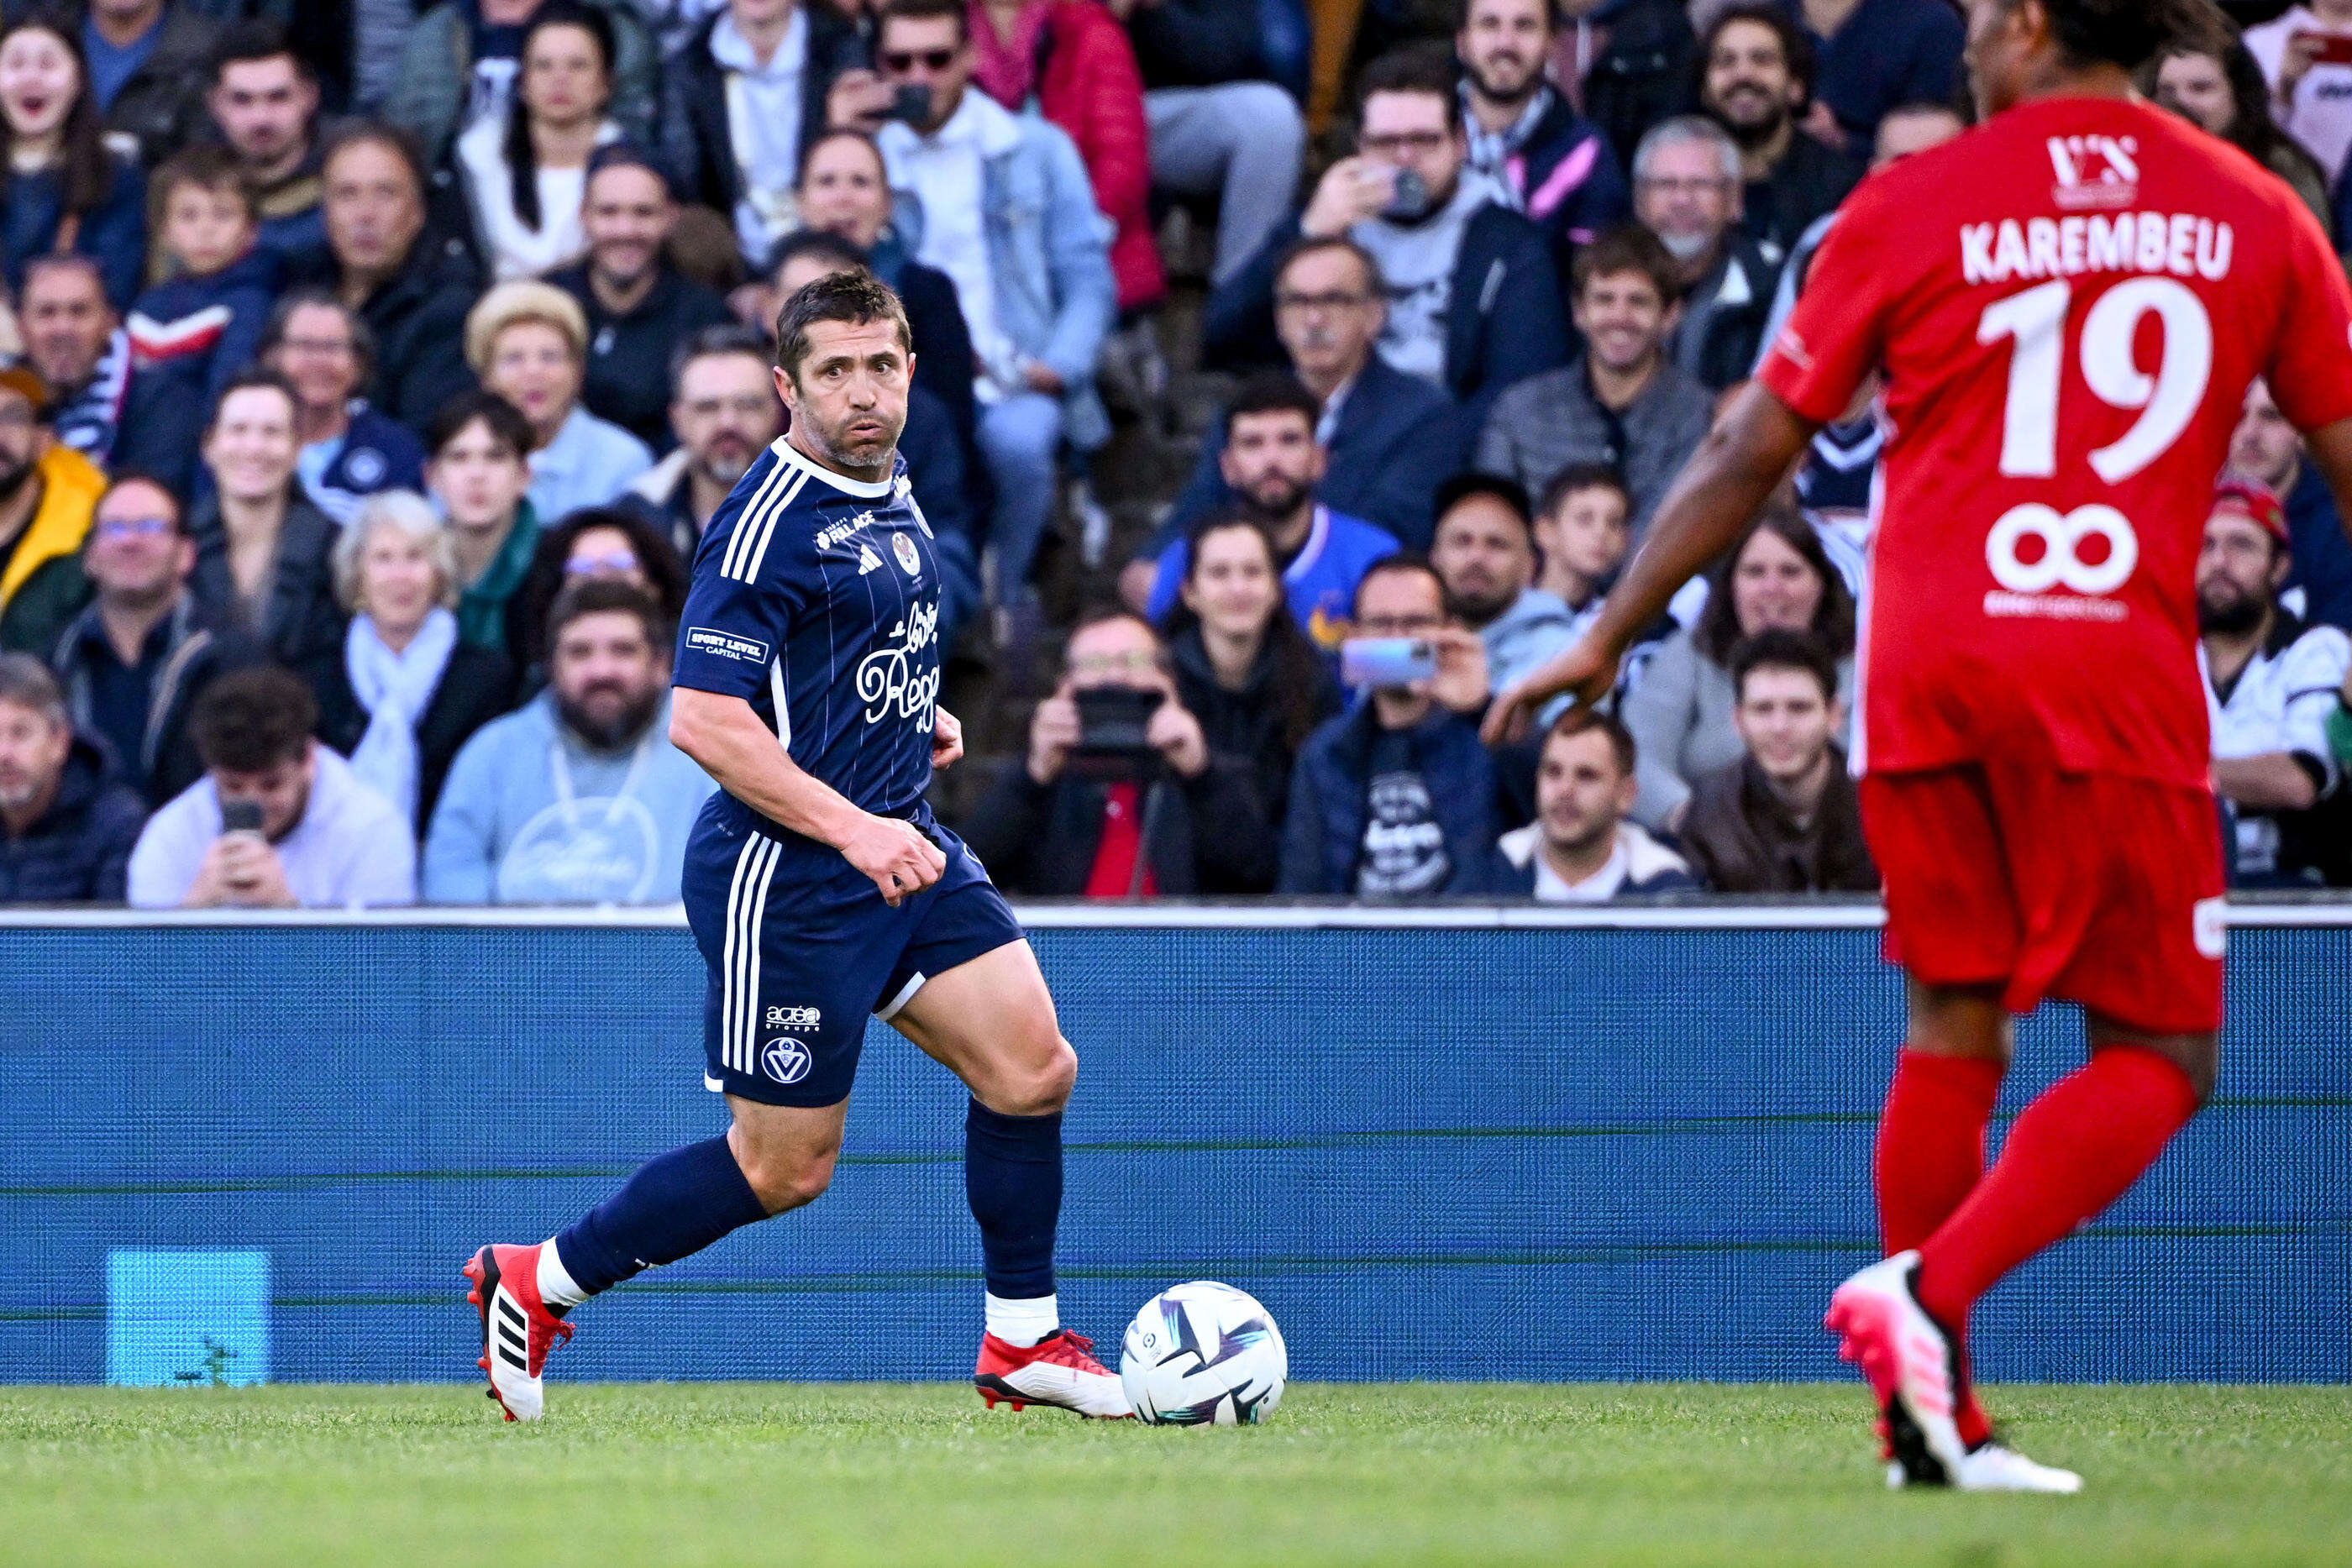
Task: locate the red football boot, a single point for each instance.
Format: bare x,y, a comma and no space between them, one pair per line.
1055,1371
517,1331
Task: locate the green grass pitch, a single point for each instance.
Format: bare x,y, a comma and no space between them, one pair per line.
739,1474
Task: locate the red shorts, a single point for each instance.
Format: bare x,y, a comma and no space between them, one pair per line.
2089,887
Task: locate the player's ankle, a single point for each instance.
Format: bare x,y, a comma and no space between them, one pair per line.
1022,1320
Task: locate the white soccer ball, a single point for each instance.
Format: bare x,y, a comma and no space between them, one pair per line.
1203,1355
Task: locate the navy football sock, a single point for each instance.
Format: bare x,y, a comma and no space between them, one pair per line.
675,1205
1012,1175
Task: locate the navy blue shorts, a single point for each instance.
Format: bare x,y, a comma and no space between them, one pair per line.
803,950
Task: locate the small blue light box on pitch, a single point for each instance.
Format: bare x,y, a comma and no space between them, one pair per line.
187,1318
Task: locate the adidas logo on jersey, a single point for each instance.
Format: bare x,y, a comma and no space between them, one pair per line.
867,560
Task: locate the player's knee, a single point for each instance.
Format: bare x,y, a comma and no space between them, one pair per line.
1041,1085
789,1179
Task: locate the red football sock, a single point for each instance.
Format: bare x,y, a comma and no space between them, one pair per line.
2072,1152
1931,1139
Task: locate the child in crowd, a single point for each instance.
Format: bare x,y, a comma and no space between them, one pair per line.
1581,529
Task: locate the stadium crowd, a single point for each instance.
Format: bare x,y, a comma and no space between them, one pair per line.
369,381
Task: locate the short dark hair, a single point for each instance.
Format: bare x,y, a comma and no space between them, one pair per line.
1423,68
1629,247
252,721
506,422
27,683
606,596
207,167
2129,33
1796,48
823,244
1580,476
836,133
273,336
1310,245
1552,19
244,42
856,298
707,343
922,11
628,156
1407,562
1273,392
123,478
1777,648
247,379
1582,720
1499,487
397,140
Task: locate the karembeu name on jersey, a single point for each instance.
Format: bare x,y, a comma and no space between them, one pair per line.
2182,245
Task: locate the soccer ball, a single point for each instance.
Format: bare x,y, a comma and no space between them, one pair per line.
1203,1355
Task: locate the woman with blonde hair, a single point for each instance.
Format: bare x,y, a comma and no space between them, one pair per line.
404,691
529,343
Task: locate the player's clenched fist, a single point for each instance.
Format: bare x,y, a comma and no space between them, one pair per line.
896,855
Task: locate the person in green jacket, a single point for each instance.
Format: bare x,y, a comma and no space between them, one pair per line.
47,492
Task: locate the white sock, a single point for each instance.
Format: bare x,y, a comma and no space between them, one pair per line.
556,1288
1024,1321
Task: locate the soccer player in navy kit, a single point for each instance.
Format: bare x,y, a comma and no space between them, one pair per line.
820,889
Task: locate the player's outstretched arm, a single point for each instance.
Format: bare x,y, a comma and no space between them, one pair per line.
744,757
1729,477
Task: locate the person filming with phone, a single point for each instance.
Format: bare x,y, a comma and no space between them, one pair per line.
1397,799
1119,795
278,821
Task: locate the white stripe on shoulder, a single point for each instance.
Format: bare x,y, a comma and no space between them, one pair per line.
768,530
746,524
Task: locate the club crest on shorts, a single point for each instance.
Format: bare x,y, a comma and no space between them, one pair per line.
785,1060
903,547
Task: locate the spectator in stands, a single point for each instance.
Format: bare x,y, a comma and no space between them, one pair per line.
135,661
191,333
2267,449
262,547
1628,63
2274,685
1583,533
403,694
1875,54
1624,403
777,60
66,191
1551,162
1220,124
148,62
2310,97
1485,554
529,343
1273,463
76,342
577,797
349,451
608,544
524,169
1038,292
639,306
2220,86
1680,708
1397,797
47,494
264,100
412,289
1388,437
65,829
1072,58
324,840
844,192
1757,83
1687,181
1785,818
1243,666
477,467
1581,849
459,63
723,413
1170,818
1472,297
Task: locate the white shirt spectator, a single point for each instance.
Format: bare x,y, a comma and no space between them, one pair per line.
513,250
764,124
1637,864
2321,115
349,849
589,461
2282,701
943,177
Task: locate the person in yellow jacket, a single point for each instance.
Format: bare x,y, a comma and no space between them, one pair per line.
47,492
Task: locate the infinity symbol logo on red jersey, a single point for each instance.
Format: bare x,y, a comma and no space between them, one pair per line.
2060,561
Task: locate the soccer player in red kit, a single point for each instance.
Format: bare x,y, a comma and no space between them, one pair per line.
2067,306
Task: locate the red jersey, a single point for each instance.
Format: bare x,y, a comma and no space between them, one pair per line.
2067,305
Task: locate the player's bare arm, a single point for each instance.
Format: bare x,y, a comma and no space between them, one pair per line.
744,757
1733,473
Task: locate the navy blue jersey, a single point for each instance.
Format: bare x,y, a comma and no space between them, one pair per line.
816,600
